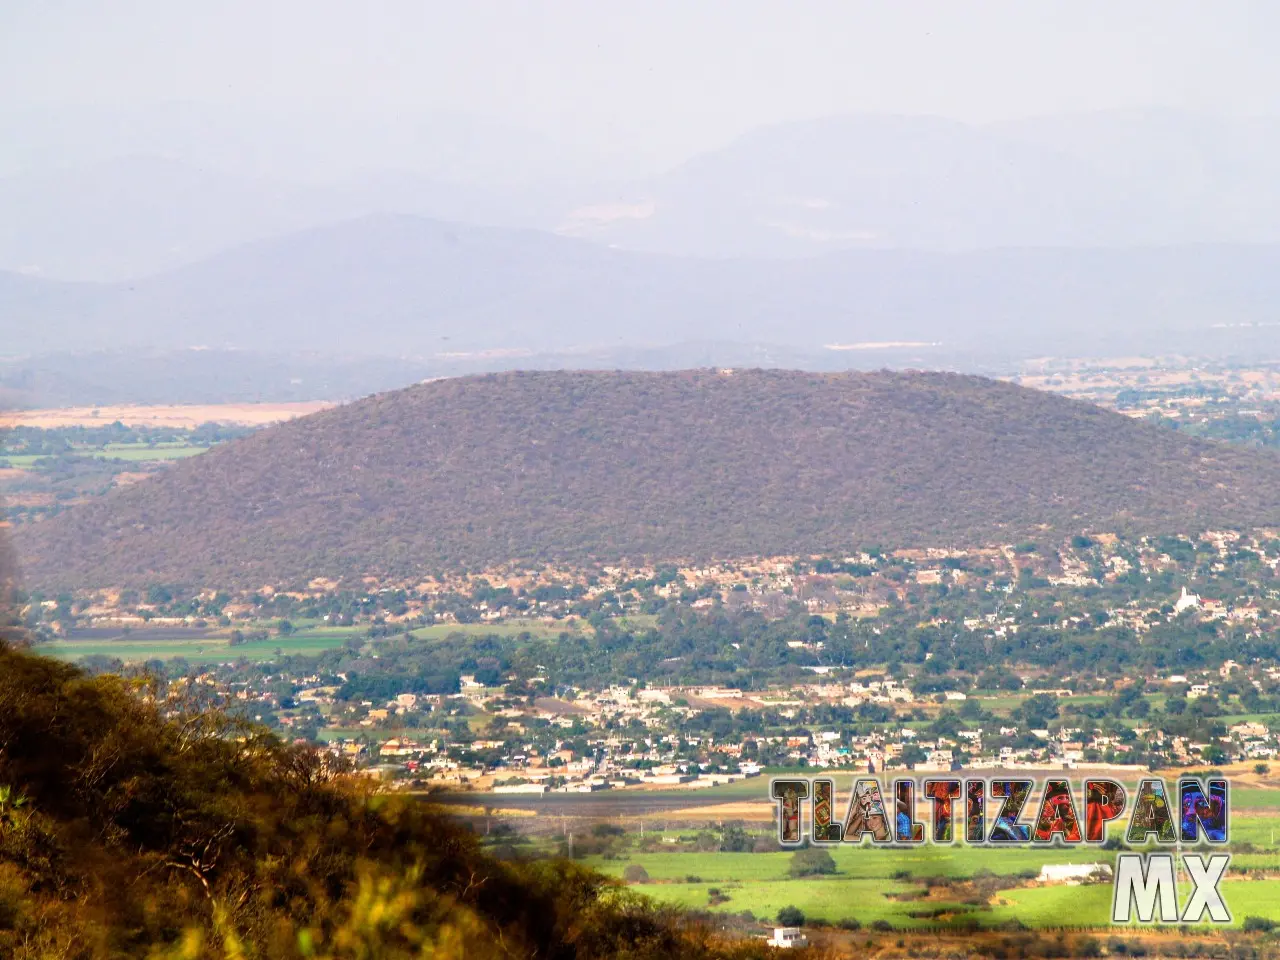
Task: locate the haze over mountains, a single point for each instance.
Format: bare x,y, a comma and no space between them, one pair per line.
591,467
427,241
117,197
404,286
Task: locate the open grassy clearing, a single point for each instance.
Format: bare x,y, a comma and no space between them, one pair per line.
1090,906
129,452
1252,798
839,897
760,882
136,648
138,453
863,863
638,621
1228,719
829,898
1261,828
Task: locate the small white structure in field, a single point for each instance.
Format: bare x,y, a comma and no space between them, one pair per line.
788,938
1074,872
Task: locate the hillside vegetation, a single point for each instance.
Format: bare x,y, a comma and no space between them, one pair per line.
133,826
476,471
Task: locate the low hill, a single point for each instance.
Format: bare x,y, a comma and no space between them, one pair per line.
476,471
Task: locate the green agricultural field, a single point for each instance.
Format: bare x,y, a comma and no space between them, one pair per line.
759,883
1253,798
864,863
1061,906
1230,719
1262,829
135,647
713,867
22,462
136,453
1002,702
1056,906
829,898
128,452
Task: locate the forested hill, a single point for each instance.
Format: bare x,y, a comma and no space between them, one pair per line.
477,471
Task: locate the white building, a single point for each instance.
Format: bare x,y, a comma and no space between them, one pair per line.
1186,601
788,938
1073,872
521,788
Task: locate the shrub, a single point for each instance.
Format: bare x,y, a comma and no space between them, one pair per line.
791,917
195,810
850,923
635,874
1258,925
811,862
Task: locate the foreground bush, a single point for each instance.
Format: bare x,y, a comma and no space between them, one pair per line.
134,826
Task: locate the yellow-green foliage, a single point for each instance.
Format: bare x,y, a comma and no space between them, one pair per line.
132,827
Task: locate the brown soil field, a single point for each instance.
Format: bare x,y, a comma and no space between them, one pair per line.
736,810
178,416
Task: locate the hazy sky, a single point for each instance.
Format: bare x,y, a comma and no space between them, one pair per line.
661,78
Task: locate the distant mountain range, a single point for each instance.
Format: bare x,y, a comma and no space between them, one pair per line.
590,467
403,286
863,182
1115,178
1146,231
131,217
113,198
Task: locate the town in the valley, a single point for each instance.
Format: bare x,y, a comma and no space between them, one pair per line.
1090,653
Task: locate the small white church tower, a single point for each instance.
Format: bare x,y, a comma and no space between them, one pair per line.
1185,601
